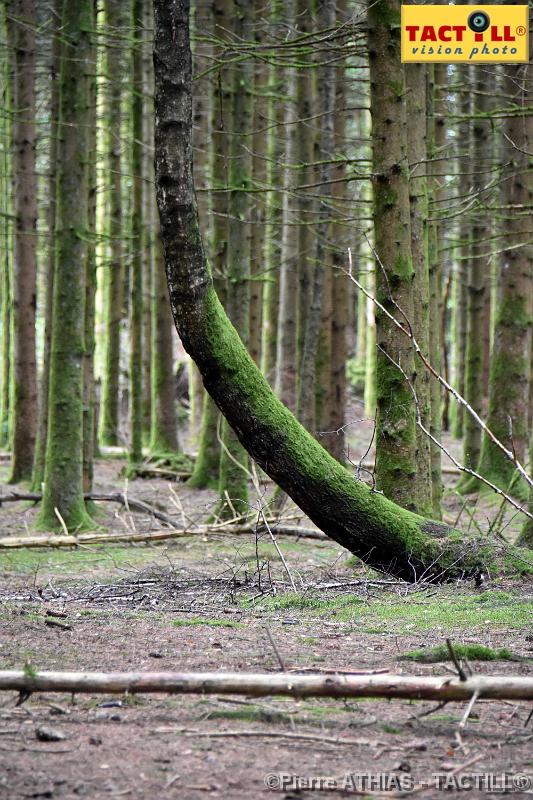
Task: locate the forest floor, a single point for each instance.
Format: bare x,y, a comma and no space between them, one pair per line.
226,603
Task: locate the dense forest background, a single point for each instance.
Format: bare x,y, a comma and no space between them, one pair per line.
354,211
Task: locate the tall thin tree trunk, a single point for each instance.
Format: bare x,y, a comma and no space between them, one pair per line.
110,410
136,287
42,424
510,359
416,79
341,287
21,30
395,433
286,344
436,148
89,387
233,478
312,296
164,431
6,248
463,258
202,16
63,491
477,278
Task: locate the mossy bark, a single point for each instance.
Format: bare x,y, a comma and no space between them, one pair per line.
396,471
42,422
63,488
417,151
478,274
21,32
89,387
436,102
461,269
316,274
233,476
286,336
275,110
164,429
510,358
379,531
136,287
116,26
6,249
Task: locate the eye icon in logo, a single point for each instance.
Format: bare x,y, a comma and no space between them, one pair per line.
478,21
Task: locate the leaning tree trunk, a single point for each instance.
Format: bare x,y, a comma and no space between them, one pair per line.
386,536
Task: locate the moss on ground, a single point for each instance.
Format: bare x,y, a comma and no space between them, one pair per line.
443,611
208,621
473,652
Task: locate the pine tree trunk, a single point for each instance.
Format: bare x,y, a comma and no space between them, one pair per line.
312,287
21,31
510,359
396,473
149,214
286,341
233,477
417,151
437,149
463,257
63,491
115,268
89,387
272,212
42,423
383,534
6,248
164,432
477,280
341,286
136,287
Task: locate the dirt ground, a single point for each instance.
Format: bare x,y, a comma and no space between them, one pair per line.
227,603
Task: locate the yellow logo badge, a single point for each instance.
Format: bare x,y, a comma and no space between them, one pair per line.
471,34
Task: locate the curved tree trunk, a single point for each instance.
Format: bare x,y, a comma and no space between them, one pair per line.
386,536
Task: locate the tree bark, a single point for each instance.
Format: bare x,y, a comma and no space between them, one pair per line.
414,687
116,25
42,424
416,78
386,536
24,409
478,272
396,469
63,490
136,288
510,358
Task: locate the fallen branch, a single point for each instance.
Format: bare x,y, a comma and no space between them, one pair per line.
61,540
116,497
412,687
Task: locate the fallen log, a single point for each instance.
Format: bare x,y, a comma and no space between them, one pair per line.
62,540
413,687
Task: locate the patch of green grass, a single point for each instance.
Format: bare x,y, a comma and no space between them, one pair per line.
390,728
72,562
213,623
467,611
473,652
